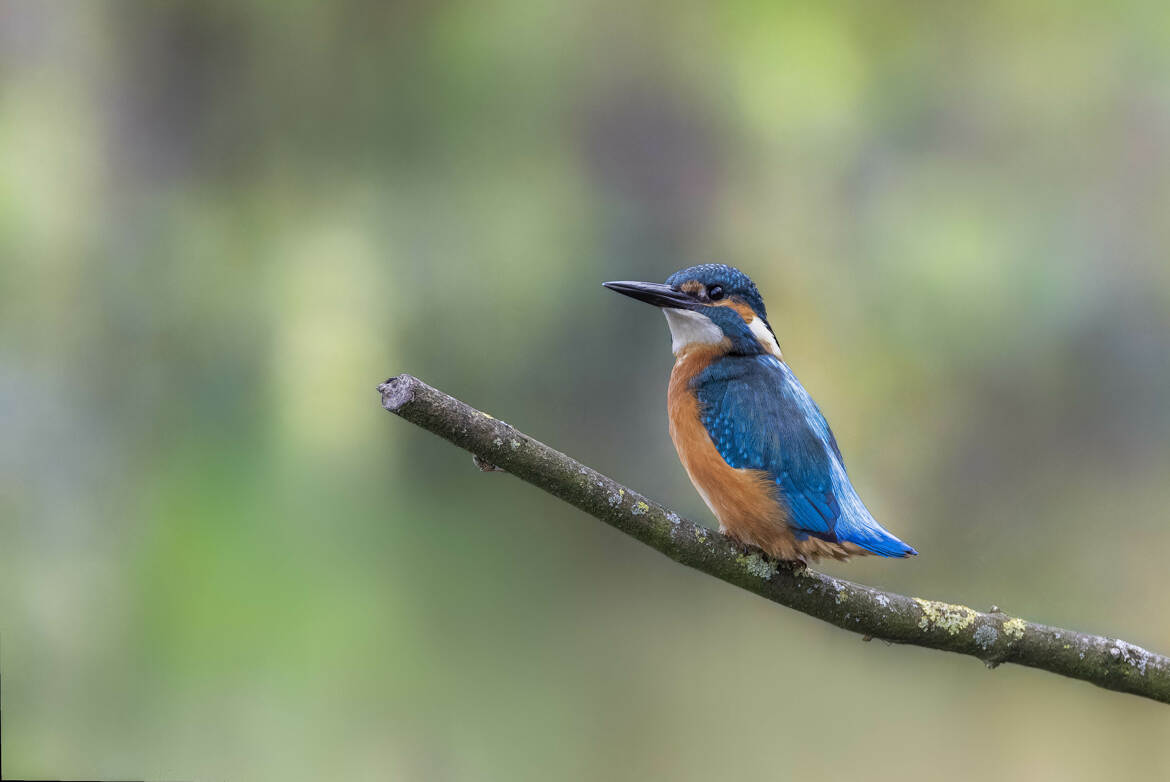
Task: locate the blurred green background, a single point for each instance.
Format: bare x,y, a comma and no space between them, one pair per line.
223,223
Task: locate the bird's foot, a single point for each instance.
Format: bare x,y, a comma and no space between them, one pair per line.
484,465
797,564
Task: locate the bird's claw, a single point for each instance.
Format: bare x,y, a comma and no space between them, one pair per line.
484,465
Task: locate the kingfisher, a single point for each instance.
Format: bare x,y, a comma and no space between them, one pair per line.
753,442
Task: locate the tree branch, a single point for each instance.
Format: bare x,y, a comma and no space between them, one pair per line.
992,637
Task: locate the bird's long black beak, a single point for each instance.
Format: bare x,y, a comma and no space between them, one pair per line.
653,293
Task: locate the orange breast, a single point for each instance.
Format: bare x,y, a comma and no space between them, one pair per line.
746,502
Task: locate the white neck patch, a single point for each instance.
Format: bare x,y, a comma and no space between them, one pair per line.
690,328
764,336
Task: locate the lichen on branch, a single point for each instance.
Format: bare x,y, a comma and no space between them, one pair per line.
992,637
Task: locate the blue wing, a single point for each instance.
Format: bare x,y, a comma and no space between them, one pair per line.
760,417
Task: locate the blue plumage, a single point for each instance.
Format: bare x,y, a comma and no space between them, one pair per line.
727,277
760,417
740,418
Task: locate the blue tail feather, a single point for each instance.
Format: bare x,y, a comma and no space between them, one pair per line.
879,542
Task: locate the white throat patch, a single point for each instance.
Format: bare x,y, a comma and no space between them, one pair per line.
690,328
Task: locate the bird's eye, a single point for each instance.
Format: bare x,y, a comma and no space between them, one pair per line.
715,292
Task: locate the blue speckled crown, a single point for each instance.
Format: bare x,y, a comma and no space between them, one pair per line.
735,283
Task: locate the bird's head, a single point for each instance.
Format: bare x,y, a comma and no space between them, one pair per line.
712,304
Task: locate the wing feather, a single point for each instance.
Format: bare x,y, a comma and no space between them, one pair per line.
760,417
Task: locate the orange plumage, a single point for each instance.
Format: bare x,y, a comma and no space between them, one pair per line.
746,502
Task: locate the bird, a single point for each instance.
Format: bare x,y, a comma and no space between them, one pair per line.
750,437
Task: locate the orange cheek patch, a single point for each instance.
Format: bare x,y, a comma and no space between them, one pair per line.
744,310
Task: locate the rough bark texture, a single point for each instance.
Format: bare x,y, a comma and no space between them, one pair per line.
992,637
